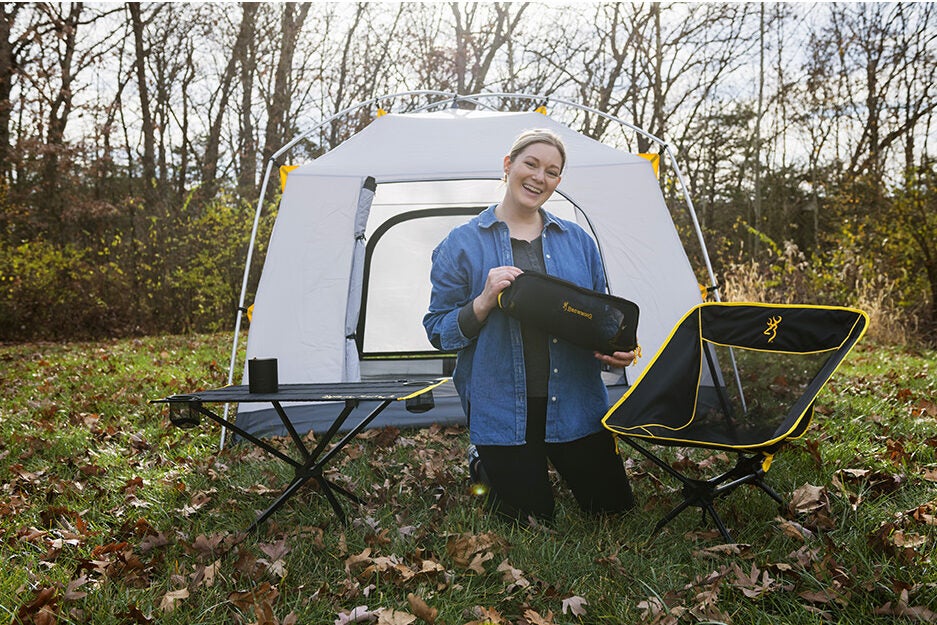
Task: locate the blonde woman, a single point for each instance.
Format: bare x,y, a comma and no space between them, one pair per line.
530,398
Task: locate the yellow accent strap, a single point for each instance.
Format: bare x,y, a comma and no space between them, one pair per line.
425,389
381,112
766,463
284,172
542,109
250,313
655,161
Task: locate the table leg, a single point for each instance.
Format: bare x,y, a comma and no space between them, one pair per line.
313,465
250,437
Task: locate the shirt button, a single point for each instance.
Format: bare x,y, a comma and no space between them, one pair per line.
553,398
554,340
556,371
548,256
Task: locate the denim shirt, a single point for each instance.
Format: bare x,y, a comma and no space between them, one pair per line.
490,375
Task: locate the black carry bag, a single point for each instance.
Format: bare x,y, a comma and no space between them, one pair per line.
584,317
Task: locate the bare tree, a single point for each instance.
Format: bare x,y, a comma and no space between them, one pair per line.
479,37
8,68
147,128
292,18
241,49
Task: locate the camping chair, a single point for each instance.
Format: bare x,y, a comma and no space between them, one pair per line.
735,377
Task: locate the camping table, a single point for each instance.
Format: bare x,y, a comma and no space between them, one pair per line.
185,411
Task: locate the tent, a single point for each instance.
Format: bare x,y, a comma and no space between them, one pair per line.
345,281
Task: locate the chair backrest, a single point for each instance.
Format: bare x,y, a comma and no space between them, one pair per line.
739,376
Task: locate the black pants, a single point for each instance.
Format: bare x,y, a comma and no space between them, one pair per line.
519,485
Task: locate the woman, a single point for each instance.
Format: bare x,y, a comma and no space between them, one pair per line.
529,397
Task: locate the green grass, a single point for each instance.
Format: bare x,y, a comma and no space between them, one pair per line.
107,513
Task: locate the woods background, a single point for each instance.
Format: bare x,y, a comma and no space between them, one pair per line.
132,137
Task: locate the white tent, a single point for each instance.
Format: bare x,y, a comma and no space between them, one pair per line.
345,282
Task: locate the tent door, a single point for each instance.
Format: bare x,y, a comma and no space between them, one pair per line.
352,372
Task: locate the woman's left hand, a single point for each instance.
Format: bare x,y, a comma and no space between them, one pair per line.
617,360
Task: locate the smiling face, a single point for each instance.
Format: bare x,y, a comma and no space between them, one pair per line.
532,176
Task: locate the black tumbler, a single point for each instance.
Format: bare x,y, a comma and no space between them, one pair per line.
262,375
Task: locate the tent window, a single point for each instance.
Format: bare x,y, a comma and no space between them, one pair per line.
407,221
396,288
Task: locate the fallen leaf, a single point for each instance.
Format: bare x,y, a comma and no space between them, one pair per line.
72,593
359,614
513,577
463,548
486,616
42,610
421,610
924,407
741,550
169,600
808,498
395,617
135,615
793,529
823,597
576,605
534,617
262,594
902,609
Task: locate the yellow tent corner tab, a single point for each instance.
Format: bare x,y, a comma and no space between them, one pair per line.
655,161
381,112
250,313
284,172
542,109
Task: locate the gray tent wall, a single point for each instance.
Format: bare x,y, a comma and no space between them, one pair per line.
437,168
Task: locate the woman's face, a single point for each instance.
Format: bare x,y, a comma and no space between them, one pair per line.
533,175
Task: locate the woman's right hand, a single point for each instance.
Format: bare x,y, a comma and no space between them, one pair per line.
499,278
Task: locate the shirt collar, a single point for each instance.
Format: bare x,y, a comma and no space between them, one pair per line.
487,219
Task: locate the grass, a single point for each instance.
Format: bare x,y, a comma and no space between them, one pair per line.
110,515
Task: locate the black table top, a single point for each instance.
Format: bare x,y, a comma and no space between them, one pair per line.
313,392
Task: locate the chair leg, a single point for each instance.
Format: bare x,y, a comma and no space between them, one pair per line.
703,493
760,483
718,521
700,494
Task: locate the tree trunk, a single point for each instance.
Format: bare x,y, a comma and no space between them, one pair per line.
148,163
67,28
243,40
278,108
8,11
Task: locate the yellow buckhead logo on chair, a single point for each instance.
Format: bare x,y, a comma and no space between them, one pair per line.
772,331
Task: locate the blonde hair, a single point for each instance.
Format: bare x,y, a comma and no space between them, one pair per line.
538,135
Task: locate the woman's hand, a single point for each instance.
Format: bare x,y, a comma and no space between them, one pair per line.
617,360
499,278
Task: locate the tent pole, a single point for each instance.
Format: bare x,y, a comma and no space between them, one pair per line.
689,202
709,268
247,269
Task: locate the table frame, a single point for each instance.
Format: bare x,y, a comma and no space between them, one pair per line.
310,464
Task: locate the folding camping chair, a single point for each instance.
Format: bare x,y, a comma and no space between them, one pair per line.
735,377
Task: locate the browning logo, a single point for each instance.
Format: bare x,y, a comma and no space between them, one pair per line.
576,311
772,331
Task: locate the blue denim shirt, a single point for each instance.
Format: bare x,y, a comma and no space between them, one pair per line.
490,373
